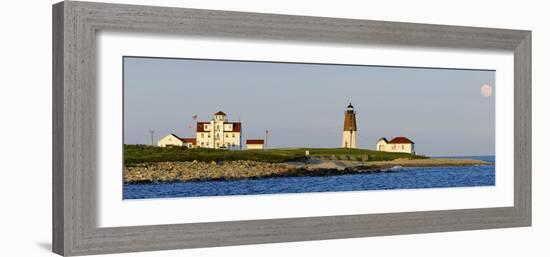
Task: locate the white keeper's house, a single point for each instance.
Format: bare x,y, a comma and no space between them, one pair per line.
219,133
398,145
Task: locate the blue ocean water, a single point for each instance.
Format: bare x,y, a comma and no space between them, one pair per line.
404,178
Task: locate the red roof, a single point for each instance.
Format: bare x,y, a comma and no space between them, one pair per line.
236,127
200,126
254,141
401,140
186,140
220,113
193,141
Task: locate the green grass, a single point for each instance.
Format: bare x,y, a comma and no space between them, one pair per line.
142,154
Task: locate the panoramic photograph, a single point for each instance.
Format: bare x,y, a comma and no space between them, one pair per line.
198,127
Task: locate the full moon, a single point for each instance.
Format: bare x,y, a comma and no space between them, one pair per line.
486,90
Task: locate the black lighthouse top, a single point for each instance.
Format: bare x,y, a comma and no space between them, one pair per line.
350,109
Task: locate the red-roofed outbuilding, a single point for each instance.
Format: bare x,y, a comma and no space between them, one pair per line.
398,144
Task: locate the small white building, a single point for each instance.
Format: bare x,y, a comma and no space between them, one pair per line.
398,145
173,140
255,144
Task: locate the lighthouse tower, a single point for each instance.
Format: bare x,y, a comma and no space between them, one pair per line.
350,129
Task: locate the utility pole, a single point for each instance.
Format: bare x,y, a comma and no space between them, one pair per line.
266,132
152,132
241,135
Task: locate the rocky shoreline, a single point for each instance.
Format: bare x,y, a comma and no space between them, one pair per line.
233,170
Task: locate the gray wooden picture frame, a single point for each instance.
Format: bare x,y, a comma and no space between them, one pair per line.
75,25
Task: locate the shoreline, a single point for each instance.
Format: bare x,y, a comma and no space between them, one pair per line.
235,170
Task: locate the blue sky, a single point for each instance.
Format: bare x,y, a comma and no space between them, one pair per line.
302,105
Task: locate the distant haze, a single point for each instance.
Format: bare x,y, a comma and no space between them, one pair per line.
302,105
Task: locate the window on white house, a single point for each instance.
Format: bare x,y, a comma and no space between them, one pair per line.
233,135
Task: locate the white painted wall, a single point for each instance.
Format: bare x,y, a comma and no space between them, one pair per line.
26,218
349,139
381,145
217,134
395,148
254,146
169,140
